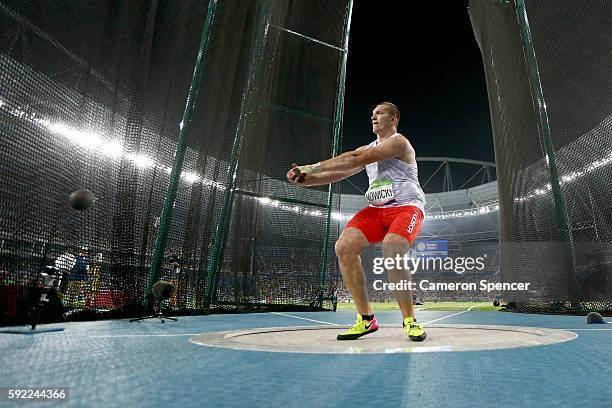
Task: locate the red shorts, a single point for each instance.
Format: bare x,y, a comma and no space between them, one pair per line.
375,223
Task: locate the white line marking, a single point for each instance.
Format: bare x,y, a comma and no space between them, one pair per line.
146,335
303,318
451,315
587,329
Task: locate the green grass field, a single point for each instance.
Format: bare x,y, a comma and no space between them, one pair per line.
446,306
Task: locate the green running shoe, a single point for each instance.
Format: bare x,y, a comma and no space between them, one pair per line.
360,328
413,330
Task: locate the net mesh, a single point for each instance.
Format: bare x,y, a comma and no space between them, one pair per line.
91,97
559,240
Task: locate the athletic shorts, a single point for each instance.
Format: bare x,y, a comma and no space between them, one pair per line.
375,223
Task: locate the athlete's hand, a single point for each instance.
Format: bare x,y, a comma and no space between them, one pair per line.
295,176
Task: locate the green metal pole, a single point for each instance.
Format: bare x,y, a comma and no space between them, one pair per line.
243,122
545,136
161,239
336,142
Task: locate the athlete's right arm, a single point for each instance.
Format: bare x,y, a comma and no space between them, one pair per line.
322,178
325,177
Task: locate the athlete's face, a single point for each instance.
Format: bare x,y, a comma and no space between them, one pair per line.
382,119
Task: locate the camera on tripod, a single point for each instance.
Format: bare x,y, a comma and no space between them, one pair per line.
46,285
49,279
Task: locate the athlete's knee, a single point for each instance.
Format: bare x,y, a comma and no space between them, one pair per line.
349,244
394,244
345,247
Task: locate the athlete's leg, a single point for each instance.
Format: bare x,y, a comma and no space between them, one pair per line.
351,243
395,245
405,225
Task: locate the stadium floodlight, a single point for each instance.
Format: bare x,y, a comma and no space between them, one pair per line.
141,160
89,140
568,178
337,216
85,139
112,149
465,212
190,177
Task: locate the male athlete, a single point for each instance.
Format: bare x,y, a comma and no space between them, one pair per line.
394,215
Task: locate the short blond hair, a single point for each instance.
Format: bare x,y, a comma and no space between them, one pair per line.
392,108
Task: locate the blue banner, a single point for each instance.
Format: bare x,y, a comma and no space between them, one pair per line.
432,248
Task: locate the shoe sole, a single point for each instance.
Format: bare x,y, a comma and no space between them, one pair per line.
354,336
418,338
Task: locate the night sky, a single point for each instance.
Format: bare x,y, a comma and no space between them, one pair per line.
423,57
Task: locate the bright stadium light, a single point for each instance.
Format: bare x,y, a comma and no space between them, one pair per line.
211,183
190,177
85,139
464,213
89,140
338,216
568,178
264,200
93,141
59,128
140,160
112,149
187,176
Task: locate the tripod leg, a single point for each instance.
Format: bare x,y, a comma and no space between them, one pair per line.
143,318
36,311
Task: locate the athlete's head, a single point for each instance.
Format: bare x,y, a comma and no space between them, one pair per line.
385,118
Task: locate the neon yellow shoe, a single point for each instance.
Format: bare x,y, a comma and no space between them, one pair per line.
413,330
360,328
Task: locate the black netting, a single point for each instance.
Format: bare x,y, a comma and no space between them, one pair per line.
92,94
560,242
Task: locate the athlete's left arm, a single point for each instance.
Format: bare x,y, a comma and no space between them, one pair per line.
394,146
